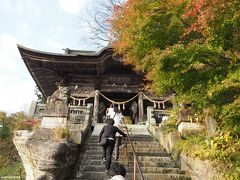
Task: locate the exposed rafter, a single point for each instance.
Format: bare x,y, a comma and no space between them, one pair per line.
94,70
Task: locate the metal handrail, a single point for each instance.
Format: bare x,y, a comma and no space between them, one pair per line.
136,161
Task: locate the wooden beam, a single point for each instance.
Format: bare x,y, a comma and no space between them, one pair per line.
140,107
96,107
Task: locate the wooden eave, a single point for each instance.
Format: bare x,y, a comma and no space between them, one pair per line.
48,68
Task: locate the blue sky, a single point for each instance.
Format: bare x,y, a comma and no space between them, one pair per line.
46,25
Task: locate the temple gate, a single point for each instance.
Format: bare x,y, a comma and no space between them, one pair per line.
80,84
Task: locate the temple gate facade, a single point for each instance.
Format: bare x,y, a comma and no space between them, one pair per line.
79,83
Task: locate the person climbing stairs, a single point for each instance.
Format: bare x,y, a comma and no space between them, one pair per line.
155,163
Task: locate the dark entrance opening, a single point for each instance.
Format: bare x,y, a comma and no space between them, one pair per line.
117,97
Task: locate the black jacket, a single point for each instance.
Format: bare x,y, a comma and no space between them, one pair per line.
110,132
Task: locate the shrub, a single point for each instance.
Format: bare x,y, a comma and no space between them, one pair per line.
61,133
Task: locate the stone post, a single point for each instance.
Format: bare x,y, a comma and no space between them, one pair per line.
150,120
96,107
140,107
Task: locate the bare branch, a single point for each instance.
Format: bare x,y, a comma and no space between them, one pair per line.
98,21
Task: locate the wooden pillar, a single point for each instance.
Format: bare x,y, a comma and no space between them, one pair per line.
96,107
140,107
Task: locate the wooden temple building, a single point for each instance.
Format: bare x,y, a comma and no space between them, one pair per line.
78,87
96,78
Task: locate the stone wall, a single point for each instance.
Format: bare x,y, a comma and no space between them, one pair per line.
78,124
168,141
42,156
197,169
200,169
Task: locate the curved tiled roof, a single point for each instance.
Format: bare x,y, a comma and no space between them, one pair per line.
85,68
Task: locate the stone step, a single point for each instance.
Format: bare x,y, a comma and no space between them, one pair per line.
163,164
135,145
166,163
136,130
131,135
145,142
155,163
144,169
130,155
131,138
148,176
123,159
129,150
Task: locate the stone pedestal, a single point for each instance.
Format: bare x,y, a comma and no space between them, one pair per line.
211,126
53,122
79,130
150,119
187,128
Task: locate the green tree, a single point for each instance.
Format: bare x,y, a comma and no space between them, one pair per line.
192,48
40,97
5,131
8,152
10,123
189,47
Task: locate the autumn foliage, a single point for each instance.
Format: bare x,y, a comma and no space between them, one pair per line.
190,47
16,121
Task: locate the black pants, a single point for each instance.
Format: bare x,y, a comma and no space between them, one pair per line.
107,153
117,144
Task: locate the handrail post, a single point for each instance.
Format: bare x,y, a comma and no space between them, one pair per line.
126,153
135,157
135,161
134,167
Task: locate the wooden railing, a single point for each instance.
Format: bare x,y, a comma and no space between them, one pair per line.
136,161
77,114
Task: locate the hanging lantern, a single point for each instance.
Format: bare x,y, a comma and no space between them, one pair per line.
163,105
154,105
119,107
123,106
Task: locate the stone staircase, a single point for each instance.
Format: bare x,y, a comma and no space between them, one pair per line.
155,163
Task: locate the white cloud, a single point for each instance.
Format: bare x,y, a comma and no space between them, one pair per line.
24,30
8,53
16,85
16,97
24,19
73,6
52,45
20,7
87,31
